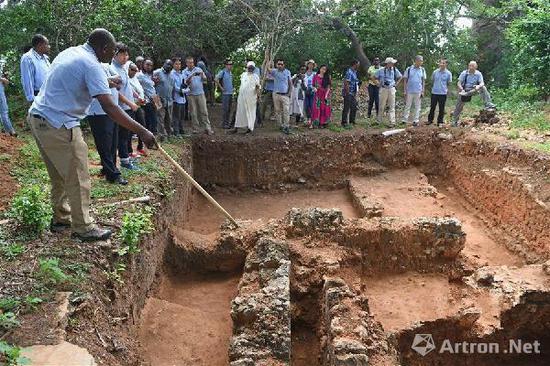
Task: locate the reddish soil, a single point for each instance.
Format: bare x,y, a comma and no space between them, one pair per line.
206,219
9,147
188,322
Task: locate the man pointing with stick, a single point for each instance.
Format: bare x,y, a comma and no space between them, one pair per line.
75,78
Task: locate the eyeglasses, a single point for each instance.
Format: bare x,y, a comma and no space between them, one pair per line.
280,64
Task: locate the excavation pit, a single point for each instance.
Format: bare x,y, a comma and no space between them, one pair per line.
348,246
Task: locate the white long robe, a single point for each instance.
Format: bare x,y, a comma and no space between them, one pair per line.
247,100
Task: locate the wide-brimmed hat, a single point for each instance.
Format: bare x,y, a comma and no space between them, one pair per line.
390,60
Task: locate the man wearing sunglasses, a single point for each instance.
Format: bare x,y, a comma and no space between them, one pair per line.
281,94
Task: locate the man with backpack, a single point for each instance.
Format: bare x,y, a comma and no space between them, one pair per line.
471,82
388,77
414,83
224,81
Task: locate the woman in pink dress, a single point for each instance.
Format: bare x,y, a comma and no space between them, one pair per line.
321,111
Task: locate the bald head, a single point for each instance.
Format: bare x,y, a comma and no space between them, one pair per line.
472,66
103,43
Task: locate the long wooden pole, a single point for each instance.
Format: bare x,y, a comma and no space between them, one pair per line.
197,185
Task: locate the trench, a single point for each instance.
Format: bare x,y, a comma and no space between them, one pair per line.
358,288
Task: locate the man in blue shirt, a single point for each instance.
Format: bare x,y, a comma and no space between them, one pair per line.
145,78
75,78
4,109
389,78
441,79
165,91
471,82
180,102
224,81
414,86
349,92
282,84
34,66
194,77
266,105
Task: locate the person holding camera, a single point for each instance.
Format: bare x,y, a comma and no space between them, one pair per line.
471,82
349,92
194,77
180,102
389,78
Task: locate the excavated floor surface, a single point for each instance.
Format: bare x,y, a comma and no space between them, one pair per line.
188,318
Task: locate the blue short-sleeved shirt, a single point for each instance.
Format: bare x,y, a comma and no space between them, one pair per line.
441,81
280,79
196,87
178,81
125,87
472,80
165,86
95,107
146,81
415,76
387,77
34,69
351,77
74,79
227,82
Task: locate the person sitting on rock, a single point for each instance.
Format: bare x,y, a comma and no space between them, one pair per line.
471,82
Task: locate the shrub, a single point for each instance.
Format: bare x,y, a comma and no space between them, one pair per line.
31,209
134,225
10,355
51,273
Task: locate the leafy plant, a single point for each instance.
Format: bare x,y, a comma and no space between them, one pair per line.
11,355
8,320
116,274
11,250
134,225
51,273
31,209
9,303
32,302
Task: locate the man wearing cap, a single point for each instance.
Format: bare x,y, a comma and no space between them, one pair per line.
388,78
414,85
75,78
281,94
224,81
34,66
374,87
471,82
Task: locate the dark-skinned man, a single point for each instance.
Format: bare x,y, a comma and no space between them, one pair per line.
34,66
75,78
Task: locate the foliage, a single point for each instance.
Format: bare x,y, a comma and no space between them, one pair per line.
526,110
31,209
116,274
134,225
9,304
50,272
8,320
30,168
11,355
11,250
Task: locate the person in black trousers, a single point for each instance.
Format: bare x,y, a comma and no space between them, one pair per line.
374,87
349,92
441,79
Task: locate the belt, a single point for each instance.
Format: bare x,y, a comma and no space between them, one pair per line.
281,93
37,116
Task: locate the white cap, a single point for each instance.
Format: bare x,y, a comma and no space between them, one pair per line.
250,63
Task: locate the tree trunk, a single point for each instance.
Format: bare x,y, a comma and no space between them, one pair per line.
341,26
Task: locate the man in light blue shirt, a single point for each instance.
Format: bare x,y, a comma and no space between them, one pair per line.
4,109
75,78
180,102
389,78
145,78
441,79
414,85
34,66
469,83
282,84
194,77
224,81
266,104
165,90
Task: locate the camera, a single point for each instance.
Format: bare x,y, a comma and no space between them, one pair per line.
386,83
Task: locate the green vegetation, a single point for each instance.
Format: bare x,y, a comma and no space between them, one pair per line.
11,250
134,225
8,320
31,209
11,355
50,272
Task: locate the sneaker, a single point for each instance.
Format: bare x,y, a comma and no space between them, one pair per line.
415,124
429,123
118,180
490,107
248,130
94,234
129,165
58,227
13,134
142,152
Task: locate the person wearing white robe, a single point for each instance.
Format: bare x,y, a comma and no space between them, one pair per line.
247,100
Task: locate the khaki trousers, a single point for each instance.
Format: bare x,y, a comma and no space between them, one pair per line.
65,154
199,112
281,104
387,97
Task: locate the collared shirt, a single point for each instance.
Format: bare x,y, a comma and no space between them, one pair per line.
227,81
95,107
125,87
195,87
441,81
372,73
178,83
280,79
34,69
351,77
146,81
472,80
136,88
387,77
165,86
74,79
415,77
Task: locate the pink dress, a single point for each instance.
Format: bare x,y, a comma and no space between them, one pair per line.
321,110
